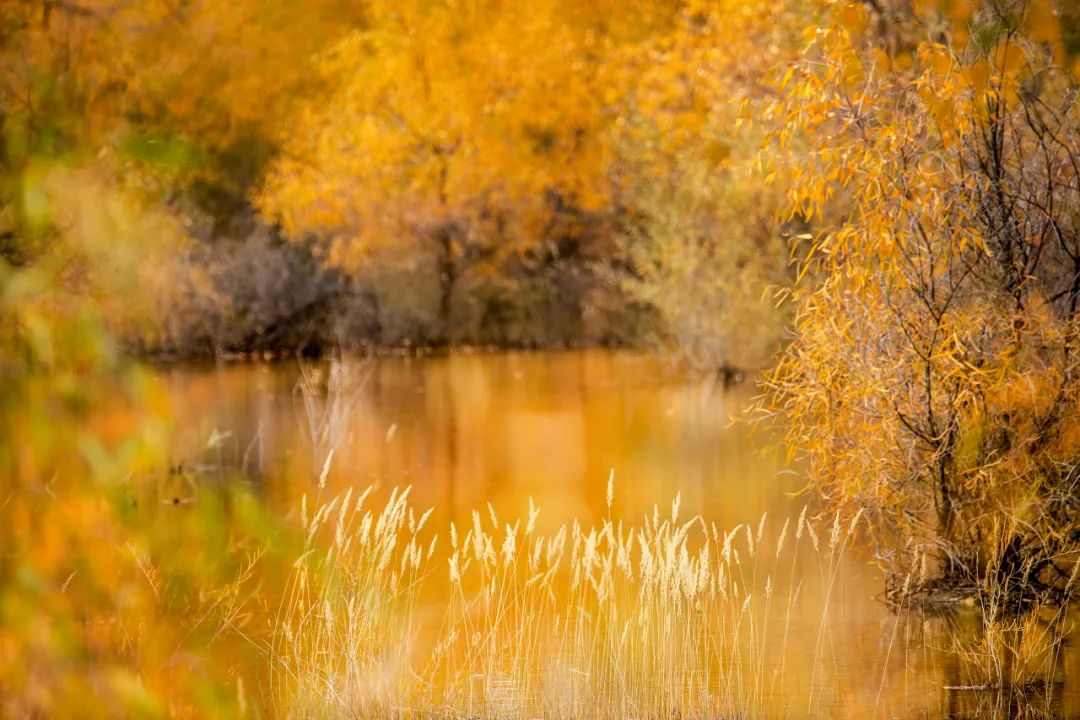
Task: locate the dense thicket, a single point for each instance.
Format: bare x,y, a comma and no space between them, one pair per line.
475,173
934,381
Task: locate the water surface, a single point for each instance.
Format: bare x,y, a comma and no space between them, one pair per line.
465,430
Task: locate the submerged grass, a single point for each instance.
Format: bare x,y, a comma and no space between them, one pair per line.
666,618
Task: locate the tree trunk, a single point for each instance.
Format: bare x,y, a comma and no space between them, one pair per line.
447,278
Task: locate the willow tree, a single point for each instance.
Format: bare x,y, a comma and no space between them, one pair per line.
934,383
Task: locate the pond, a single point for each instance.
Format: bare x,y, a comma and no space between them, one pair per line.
468,429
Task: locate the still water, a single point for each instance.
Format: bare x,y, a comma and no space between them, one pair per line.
465,430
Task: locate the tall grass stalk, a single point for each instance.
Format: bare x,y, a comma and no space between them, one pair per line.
323,399
666,618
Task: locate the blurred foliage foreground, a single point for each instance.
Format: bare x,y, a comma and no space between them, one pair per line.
104,610
212,177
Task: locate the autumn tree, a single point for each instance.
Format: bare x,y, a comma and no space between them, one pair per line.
934,383
459,132
163,82
171,109
698,233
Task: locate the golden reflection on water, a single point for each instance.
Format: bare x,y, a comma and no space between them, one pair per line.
465,430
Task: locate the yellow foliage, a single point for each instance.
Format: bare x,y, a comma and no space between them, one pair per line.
934,383
444,114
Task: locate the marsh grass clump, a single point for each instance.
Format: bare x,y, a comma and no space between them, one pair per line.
1013,649
1002,650
345,626
667,618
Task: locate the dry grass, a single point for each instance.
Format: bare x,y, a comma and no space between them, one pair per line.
1013,650
667,618
1003,657
345,625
